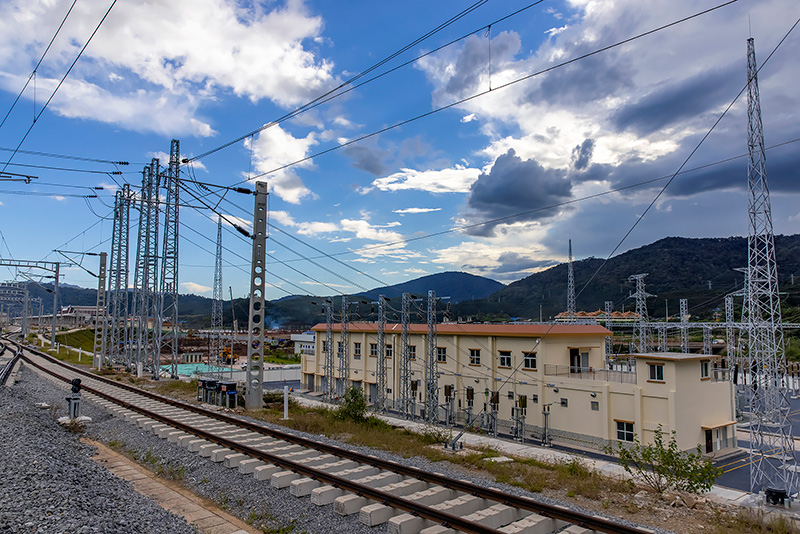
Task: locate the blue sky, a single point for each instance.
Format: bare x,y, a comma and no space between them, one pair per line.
432,195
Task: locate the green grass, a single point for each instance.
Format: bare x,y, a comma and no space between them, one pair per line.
80,339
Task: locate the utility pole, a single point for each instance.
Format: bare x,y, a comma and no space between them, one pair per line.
609,309
100,315
328,386
117,336
344,349
772,460
255,331
405,356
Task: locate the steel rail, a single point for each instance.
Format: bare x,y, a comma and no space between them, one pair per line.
594,522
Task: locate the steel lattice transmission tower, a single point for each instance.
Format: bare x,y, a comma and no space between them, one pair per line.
432,382
216,303
344,349
609,309
641,332
405,356
380,372
168,298
570,287
772,459
328,386
684,310
117,335
146,269
100,315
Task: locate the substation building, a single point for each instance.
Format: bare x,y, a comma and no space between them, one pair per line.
555,373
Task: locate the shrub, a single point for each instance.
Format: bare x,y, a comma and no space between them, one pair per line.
353,406
661,466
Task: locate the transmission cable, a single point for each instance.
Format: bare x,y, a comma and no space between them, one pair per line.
36,68
308,105
36,118
486,92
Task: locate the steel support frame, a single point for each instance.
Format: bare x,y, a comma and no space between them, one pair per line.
168,287
50,266
380,371
432,378
100,315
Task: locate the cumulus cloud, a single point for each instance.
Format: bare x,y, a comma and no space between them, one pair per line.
192,287
152,63
415,210
275,147
454,180
514,185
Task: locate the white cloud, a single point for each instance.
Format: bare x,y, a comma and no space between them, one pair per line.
416,210
229,220
414,270
364,230
469,118
158,60
455,180
191,287
275,147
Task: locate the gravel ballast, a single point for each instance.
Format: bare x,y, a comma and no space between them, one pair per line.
253,501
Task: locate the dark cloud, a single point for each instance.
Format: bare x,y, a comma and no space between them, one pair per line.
511,262
514,186
474,59
593,79
582,154
367,159
678,101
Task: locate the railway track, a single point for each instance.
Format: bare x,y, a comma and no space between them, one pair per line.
378,492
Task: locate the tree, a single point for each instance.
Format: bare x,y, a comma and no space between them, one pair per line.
661,466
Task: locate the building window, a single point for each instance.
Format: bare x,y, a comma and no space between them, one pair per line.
441,354
625,431
324,346
530,360
474,356
357,351
505,358
535,398
373,349
339,348
656,372
412,352
704,370
388,351
595,406
564,402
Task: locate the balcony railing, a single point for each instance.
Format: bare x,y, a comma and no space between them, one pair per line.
589,373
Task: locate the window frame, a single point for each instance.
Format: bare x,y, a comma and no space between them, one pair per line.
525,357
441,354
373,350
388,350
412,352
705,370
625,430
653,372
503,354
475,357
356,350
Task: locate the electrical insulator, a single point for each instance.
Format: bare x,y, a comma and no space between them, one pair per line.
470,393
523,401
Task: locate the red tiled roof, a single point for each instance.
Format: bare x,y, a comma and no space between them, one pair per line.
510,330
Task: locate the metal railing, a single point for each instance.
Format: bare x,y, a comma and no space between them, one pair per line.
590,373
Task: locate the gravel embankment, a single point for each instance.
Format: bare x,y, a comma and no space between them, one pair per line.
243,496
49,482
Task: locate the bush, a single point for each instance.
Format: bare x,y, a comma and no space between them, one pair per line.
353,406
661,466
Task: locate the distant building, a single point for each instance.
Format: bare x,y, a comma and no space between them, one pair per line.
304,343
561,367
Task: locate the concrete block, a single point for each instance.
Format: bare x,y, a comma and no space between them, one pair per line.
325,495
195,444
175,435
265,472
376,514
575,529
246,467
320,459
437,529
164,432
282,479
461,505
206,450
218,455
233,460
533,524
303,486
497,515
349,504
183,441
406,524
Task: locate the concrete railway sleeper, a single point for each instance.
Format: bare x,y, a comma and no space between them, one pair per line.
376,491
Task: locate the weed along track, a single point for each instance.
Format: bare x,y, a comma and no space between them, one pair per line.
374,491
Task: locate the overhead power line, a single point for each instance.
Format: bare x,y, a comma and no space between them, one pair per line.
63,156
361,74
60,83
486,92
36,68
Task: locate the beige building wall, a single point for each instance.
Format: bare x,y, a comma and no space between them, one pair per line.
587,404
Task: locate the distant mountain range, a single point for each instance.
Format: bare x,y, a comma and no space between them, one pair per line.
701,270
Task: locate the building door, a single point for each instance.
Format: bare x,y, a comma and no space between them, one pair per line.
709,442
574,361
311,382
